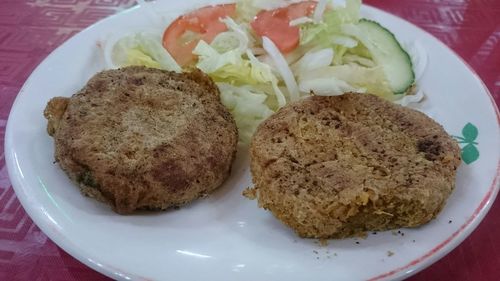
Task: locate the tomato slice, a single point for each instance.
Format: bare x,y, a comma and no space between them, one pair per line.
275,24
183,34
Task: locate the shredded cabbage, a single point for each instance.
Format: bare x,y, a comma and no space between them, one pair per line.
233,68
318,33
264,72
248,106
141,49
356,78
210,60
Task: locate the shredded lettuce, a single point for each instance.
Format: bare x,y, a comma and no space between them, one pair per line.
340,51
263,72
248,106
322,32
246,10
255,79
356,77
228,64
142,49
210,60
233,68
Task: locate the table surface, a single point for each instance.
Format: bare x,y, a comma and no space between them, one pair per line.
31,29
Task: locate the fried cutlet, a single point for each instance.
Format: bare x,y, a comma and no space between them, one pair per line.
333,167
143,138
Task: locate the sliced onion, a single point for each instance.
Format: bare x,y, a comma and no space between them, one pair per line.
330,86
320,9
313,60
239,32
345,41
300,20
282,67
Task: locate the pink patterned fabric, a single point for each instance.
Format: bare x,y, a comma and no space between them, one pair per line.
31,29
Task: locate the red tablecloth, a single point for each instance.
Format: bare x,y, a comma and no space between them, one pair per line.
31,29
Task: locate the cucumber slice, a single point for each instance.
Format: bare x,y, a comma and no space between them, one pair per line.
386,52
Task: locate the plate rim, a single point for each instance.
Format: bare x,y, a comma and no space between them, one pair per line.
405,271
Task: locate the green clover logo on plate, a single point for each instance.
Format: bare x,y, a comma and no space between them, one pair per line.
470,153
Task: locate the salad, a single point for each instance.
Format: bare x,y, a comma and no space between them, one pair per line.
263,54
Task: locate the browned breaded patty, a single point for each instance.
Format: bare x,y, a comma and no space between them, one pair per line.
332,167
143,138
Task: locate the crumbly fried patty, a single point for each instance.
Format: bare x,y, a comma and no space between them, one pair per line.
333,167
143,138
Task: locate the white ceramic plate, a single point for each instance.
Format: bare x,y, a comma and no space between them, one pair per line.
225,236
